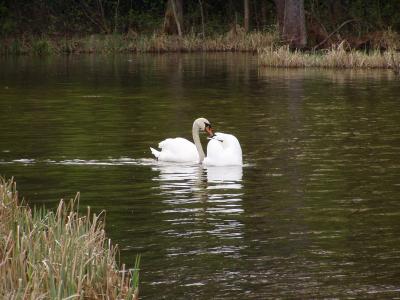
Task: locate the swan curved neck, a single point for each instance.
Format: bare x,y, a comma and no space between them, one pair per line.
196,139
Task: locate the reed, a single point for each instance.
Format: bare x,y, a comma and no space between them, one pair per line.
336,57
57,255
266,43
131,43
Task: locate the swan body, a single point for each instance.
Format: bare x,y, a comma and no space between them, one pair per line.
176,150
180,149
223,150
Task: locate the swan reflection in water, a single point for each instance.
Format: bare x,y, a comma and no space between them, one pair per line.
228,177
186,178
202,203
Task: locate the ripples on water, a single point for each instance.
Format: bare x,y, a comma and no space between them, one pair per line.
314,213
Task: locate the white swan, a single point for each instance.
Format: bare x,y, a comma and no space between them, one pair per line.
182,150
223,150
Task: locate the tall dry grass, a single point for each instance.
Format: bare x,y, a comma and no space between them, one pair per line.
336,57
57,255
266,43
236,40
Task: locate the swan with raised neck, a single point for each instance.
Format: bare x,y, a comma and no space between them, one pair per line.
204,125
182,150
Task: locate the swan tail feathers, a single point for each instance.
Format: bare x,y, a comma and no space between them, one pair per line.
155,152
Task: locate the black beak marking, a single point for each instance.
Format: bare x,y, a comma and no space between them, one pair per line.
208,126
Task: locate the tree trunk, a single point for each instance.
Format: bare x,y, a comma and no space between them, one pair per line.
246,15
202,19
291,22
173,20
264,14
256,16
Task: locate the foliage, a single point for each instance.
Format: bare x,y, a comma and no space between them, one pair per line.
6,23
363,20
105,16
57,255
43,26
41,47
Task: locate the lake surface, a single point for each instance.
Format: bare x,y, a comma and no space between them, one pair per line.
313,213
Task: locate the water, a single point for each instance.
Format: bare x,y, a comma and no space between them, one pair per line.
313,213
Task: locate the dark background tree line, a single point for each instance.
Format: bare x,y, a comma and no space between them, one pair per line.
301,23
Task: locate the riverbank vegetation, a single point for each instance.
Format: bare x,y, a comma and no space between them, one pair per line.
301,24
279,29
336,57
57,255
154,43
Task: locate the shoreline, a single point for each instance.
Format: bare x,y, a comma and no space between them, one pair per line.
334,58
266,45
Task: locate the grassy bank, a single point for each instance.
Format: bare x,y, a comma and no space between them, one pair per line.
57,255
336,57
235,40
266,43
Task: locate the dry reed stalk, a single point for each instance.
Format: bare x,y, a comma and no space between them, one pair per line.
57,255
336,57
116,43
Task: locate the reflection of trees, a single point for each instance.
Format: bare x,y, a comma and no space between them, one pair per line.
342,76
324,131
94,106
275,141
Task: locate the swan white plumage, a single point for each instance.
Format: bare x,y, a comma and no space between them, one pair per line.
182,150
223,150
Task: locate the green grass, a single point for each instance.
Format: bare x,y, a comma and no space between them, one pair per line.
41,47
58,255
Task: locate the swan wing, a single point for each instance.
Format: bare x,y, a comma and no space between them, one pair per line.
215,153
223,153
155,152
177,150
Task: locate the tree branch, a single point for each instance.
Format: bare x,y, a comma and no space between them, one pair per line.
332,33
92,19
178,25
202,18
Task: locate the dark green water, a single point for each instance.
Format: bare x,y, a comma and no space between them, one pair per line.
314,213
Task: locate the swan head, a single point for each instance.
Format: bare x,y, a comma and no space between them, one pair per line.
204,125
